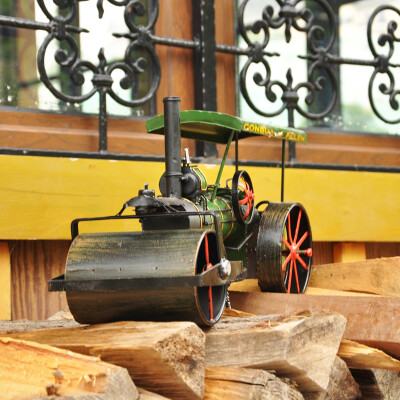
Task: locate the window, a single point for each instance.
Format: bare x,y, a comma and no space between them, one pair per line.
340,69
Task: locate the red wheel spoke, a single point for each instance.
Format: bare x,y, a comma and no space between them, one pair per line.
288,258
290,276
297,226
302,262
303,238
206,248
210,303
297,277
286,243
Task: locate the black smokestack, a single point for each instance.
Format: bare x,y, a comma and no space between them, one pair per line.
172,132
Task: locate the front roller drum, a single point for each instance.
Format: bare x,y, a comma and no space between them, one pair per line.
142,255
284,248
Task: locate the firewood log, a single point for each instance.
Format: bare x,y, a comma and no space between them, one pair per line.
342,385
164,357
224,383
300,347
34,371
378,384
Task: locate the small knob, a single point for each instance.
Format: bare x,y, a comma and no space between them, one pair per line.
147,192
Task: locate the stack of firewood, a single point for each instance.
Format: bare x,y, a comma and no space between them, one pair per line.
296,347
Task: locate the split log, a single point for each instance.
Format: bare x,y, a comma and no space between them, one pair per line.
146,395
378,384
243,384
342,385
232,313
27,326
31,370
164,357
371,320
359,356
300,347
378,276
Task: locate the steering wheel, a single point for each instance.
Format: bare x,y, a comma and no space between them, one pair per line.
242,197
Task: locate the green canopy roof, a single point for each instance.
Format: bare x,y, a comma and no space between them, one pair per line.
211,126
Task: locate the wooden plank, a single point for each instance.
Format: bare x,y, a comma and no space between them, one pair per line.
5,281
251,285
166,358
371,320
34,263
31,370
64,189
359,356
378,276
348,252
342,385
301,347
378,384
243,383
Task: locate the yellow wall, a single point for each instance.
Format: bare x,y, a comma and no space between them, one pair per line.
40,196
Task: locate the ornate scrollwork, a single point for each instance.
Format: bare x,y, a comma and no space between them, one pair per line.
383,63
101,79
319,45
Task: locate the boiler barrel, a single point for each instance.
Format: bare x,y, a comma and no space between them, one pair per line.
149,254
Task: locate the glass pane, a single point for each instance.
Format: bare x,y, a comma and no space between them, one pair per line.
20,84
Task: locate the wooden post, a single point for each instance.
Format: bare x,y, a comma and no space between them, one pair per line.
5,282
349,252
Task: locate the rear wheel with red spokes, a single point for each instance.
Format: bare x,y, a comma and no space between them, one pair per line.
242,197
284,248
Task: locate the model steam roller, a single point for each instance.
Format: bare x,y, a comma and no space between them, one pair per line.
196,237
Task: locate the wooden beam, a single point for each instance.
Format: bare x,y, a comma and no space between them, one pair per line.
301,347
349,252
371,320
5,282
378,276
63,189
166,358
31,370
251,285
243,383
